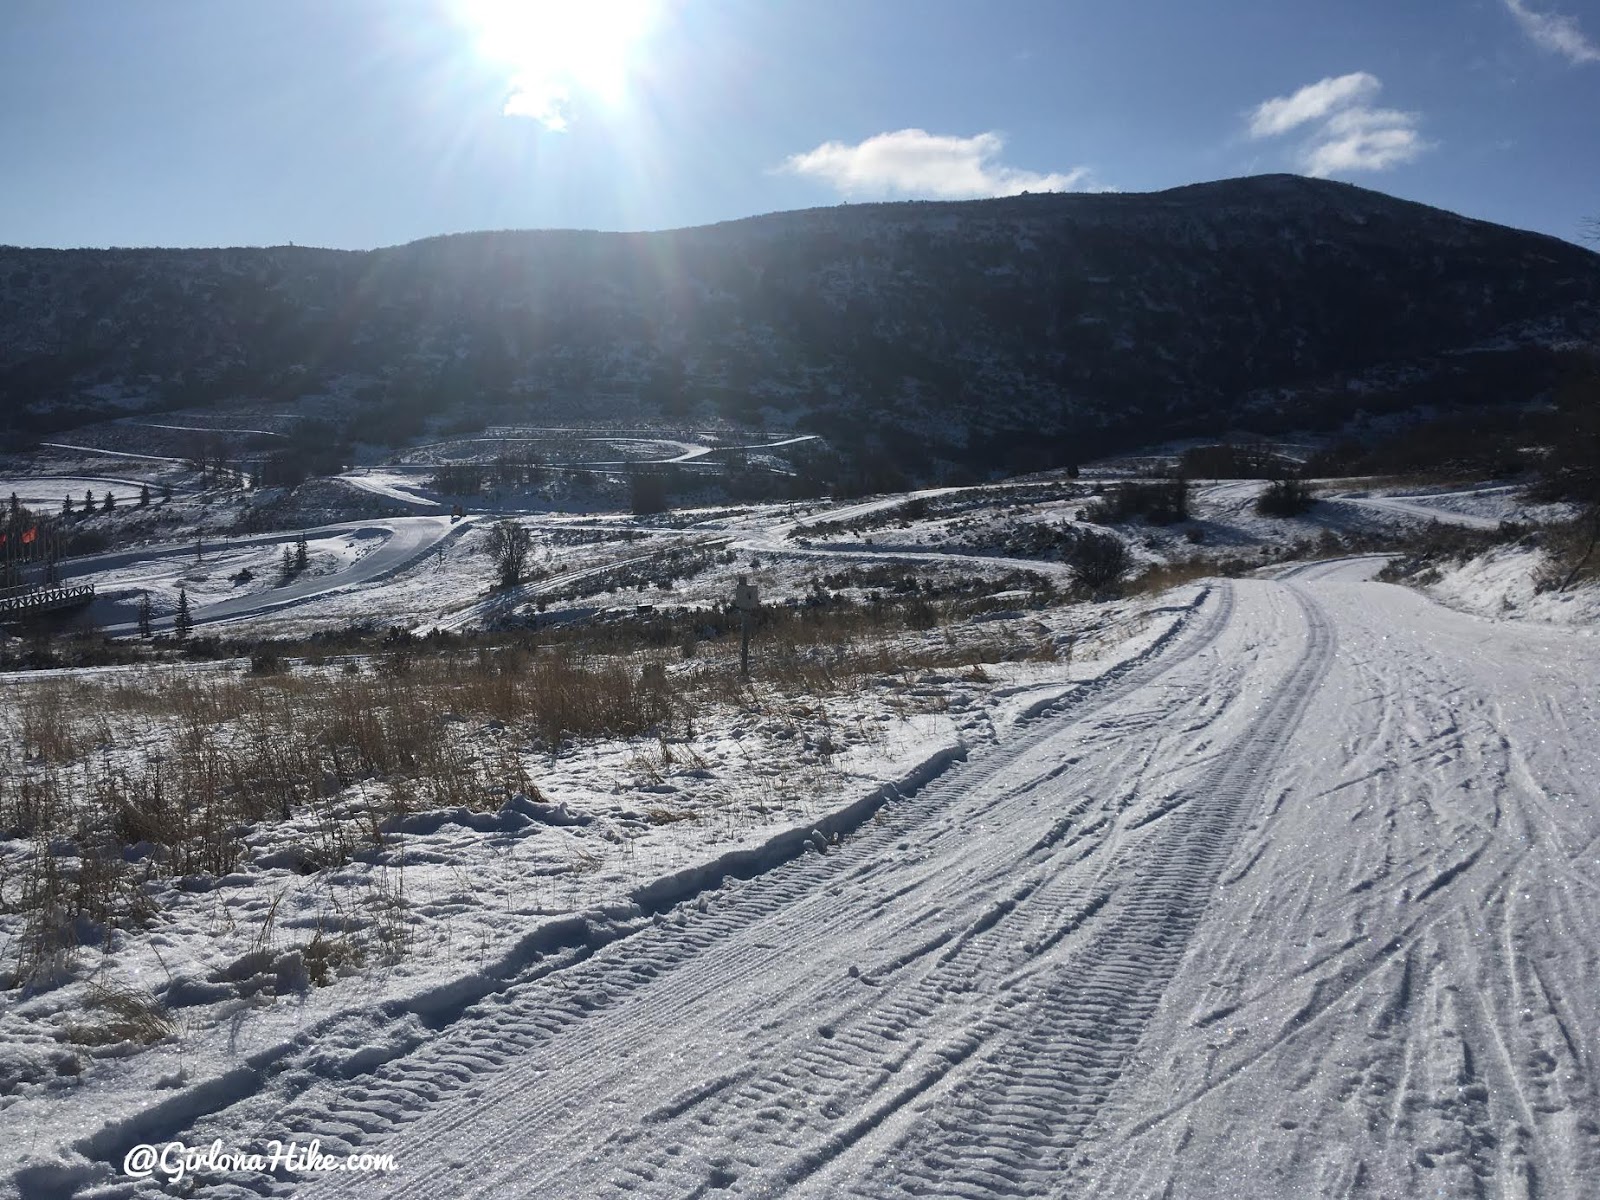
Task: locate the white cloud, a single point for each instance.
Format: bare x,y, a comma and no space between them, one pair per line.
1555,32
543,101
1350,134
914,162
1311,103
1362,149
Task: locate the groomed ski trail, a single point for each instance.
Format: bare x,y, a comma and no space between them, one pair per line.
1032,977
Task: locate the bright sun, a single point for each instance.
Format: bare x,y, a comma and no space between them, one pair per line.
558,49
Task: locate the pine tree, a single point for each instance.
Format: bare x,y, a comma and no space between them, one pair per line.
183,622
66,507
88,503
145,614
288,564
111,503
302,556
144,495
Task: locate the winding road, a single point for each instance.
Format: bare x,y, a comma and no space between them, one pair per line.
400,543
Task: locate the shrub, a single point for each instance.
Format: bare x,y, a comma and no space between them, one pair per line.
1098,561
1231,462
457,479
1285,498
1572,552
1162,502
267,661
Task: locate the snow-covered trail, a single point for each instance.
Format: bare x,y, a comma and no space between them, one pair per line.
1307,903
386,485
401,542
1394,991
1417,508
162,458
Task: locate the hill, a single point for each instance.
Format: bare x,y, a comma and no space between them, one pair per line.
992,332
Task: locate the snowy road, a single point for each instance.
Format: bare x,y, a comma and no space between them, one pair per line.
1427,508
400,542
1306,903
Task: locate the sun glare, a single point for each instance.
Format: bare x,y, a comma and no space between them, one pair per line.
559,53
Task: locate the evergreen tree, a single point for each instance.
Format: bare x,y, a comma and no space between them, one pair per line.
145,614
66,507
110,504
183,622
88,503
288,564
302,556
144,495
647,490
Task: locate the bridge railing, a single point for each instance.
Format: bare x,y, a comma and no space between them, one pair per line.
42,599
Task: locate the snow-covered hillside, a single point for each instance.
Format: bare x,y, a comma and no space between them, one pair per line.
1260,878
1292,902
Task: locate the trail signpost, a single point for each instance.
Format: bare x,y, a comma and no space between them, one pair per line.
746,599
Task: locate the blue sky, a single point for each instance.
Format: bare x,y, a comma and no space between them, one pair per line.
358,123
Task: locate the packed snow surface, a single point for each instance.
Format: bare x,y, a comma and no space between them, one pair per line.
1303,901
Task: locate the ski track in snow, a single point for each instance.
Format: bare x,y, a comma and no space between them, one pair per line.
1303,904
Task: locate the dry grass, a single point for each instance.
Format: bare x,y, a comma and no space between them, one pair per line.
1174,574
326,957
124,1014
1572,552
167,772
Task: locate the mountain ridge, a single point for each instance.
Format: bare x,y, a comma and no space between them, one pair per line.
1285,180
965,326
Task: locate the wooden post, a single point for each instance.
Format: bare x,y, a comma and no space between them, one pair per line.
746,599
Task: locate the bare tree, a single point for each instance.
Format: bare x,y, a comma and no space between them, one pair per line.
509,545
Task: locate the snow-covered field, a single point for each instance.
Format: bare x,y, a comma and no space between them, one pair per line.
1277,885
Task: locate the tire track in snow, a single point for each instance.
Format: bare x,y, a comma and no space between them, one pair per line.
638,989
1013,1130
1356,1047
